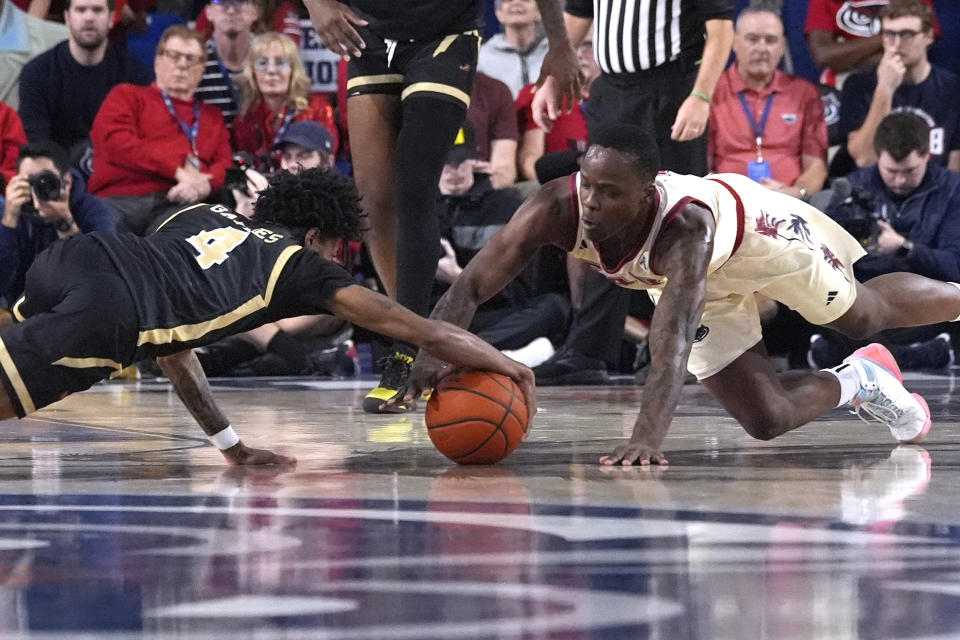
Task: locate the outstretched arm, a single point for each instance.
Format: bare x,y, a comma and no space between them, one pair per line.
685,250
187,377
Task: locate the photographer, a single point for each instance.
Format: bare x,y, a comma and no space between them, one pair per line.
44,202
906,212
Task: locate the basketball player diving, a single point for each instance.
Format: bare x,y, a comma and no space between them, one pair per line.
703,247
96,303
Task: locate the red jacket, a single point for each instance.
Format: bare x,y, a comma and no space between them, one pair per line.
255,130
138,145
11,137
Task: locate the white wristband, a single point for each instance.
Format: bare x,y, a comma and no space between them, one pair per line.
225,438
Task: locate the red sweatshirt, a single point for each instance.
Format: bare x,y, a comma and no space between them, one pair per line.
11,137
138,145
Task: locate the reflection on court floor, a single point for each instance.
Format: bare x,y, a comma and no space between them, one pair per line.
118,520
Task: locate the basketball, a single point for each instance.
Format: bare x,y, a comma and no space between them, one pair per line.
476,417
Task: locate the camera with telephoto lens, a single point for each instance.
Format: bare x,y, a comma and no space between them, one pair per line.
46,186
236,176
856,210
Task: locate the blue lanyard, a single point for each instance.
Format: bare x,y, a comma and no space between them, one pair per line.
290,112
190,132
757,129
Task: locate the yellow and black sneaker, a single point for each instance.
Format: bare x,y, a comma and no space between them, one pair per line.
396,368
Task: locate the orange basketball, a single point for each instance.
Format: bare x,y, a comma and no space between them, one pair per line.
476,417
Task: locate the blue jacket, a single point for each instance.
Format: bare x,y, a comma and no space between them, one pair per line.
929,217
18,247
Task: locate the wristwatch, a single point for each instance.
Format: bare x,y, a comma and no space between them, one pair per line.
905,249
63,225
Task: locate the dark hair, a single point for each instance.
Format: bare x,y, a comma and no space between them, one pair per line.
319,198
111,5
900,133
49,149
633,142
909,9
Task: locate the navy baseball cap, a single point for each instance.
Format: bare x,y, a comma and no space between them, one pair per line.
307,134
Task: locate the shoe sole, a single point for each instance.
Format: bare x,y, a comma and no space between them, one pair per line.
926,427
886,359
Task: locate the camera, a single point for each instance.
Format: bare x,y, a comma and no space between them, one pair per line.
46,185
856,210
236,176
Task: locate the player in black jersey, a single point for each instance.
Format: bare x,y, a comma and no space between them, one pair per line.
96,303
411,72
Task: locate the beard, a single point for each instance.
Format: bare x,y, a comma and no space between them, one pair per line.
90,41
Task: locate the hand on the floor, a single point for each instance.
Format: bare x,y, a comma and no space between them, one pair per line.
242,454
634,452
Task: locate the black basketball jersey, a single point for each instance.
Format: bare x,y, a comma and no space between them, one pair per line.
208,272
424,20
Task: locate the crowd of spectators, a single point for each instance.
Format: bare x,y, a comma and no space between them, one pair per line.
243,91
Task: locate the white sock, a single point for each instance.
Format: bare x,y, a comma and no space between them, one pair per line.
533,354
849,379
957,285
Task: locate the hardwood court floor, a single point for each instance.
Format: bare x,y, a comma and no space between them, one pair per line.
118,520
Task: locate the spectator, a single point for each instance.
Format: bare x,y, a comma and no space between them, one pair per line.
302,145
274,87
62,89
844,36
227,53
514,56
494,122
645,82
904,79
568,135
471,210
764,123
916,205
409,89
22,38
157,148
12,137
35,216
278,17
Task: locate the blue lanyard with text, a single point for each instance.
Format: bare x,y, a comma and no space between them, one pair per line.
758,129
190,132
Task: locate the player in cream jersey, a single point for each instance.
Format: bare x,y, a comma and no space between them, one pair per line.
763,241
704,247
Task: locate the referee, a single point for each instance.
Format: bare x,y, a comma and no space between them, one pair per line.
659,67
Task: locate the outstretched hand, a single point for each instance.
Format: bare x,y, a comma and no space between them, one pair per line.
634,452
242,454
424,375
334,22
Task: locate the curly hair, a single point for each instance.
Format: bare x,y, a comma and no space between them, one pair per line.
319,198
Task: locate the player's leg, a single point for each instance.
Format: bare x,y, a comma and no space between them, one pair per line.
374,125
898,300
774,403
6,405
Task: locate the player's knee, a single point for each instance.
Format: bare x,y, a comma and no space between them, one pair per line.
763,424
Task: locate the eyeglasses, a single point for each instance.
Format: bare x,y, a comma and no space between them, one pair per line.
907,35
175,57
234,4
263,63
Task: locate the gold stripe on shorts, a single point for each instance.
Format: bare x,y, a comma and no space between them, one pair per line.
16,309
6,362
386,78
88,363
436,87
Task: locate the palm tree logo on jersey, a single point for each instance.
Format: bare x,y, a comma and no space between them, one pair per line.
770,226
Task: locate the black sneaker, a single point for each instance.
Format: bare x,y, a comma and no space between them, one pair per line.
396,368
568,368
932,354
340,361
823,353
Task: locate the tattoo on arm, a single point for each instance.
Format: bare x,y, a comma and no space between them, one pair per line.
187,377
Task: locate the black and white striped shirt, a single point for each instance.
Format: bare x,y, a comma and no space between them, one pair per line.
217,86
636,35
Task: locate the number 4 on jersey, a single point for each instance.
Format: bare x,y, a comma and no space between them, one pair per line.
215,245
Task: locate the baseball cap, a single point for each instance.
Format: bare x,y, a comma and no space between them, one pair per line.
307,134
464,146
